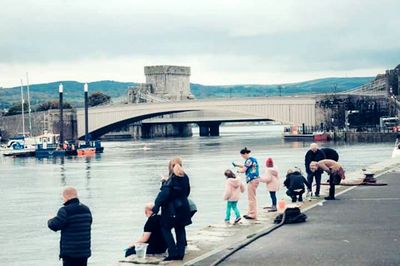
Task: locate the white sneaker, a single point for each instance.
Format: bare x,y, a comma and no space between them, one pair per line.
308,196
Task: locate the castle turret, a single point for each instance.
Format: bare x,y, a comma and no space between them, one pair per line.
169,82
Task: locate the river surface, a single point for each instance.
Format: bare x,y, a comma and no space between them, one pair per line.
117,184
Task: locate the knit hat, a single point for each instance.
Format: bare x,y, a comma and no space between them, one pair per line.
269,162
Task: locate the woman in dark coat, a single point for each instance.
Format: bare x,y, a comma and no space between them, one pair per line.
175,210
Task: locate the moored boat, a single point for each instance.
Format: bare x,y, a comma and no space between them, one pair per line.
19,147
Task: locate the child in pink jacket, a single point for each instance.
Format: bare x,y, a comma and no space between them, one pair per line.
271,178
233,188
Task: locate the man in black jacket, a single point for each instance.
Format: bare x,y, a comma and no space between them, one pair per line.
314,154
330,154
74,220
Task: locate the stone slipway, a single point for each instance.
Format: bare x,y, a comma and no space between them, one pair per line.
218,237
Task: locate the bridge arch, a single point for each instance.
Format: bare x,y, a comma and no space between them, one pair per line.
291,110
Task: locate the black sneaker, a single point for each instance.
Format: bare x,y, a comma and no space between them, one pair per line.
329,198
171,258
248,217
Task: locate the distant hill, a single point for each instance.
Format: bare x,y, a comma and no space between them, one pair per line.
73,90
326,85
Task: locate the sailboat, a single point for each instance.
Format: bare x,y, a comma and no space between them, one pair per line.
22,146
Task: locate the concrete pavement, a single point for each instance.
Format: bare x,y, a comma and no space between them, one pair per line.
362,228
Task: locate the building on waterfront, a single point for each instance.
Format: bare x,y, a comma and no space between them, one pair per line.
163,83
387,83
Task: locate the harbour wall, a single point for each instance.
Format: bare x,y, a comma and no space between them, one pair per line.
12,125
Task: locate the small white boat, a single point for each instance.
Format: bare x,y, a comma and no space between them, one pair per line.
19,147
396,150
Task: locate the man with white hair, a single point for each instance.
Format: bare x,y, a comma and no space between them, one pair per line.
74,220
314,154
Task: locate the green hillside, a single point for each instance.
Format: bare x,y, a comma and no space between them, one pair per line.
73,90
326,85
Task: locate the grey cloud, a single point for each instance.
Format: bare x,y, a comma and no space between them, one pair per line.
45,33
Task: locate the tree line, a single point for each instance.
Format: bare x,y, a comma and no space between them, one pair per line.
97,98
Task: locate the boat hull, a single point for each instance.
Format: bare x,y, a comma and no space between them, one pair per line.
19,153
46,153
86,152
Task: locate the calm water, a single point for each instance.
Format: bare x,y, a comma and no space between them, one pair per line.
117,184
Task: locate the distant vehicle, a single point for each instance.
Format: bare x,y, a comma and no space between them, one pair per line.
389,123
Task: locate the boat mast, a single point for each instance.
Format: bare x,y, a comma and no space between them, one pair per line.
22,108
29,105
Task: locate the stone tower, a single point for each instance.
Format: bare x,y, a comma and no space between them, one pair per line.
169,82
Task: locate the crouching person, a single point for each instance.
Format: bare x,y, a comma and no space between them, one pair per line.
295,182
335,171
152,234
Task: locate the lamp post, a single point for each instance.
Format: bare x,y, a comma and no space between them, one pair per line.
86,91
60,91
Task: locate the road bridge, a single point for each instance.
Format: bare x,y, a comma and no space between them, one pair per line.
209,113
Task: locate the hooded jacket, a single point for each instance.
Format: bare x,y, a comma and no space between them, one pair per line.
271,178
233,187
295,181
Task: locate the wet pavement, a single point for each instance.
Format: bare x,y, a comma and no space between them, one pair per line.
361,228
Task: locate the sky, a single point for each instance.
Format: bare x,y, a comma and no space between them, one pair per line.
223,41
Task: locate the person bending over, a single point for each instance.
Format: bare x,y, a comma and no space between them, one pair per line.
335,171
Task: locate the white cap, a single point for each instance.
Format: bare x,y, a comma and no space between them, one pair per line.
60,88
85,87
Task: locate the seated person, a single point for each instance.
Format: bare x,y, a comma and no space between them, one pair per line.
295,182
152,234
335,171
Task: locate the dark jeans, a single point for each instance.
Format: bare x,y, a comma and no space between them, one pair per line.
175,250
310,178
293,194
68,261
332,186
273,197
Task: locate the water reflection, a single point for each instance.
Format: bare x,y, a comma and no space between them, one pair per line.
62,172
